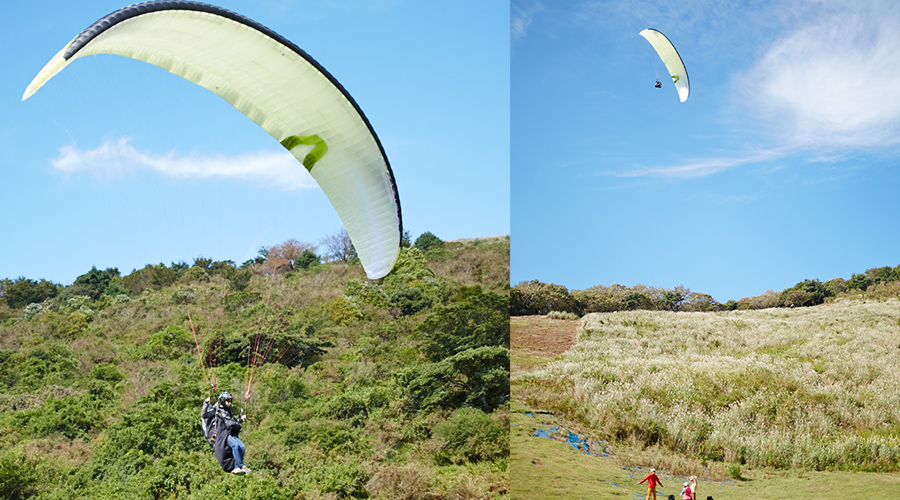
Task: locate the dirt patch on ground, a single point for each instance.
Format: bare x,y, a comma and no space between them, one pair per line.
535,340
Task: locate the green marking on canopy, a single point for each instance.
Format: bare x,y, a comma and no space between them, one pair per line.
318,151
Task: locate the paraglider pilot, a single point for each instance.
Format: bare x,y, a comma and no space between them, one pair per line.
221,422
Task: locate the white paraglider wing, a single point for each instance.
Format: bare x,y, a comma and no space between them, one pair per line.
278,86
671,59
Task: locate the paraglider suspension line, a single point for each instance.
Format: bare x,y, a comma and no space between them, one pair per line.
199,351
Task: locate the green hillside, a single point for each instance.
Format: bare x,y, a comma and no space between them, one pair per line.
396,389
772,403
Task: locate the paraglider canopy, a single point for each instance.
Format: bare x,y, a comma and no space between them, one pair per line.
671,59
277,85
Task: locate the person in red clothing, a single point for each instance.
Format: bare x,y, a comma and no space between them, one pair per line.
652,480
687,493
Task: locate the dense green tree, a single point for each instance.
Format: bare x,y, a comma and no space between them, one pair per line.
153,277
409,299
474,377
836,286
203,263
700,302
307,259
859,282
427,240
670,301
239,279
96,281
24,291
222,268
535,297
635,300
593,300
882,275
479,320
806,293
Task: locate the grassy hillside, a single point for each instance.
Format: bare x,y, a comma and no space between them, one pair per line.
391,390
548,394
807,388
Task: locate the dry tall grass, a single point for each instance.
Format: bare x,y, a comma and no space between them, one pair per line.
815,387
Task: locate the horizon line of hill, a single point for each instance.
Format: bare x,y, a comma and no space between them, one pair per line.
538,298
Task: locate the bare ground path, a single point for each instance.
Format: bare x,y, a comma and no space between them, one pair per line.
536,340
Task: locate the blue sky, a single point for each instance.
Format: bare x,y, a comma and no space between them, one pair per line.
117,163
782,165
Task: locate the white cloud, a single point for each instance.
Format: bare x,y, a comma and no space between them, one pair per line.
520,18
828,85
833,82
118,158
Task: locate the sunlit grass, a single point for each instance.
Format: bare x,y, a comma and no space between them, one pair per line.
813,388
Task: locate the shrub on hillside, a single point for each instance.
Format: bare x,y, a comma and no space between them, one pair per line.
409,300
470,435
562,315
18,476
474,377
70,417
411,286
401,482
343,310
44,365
804,294
169,343
106,372
355,404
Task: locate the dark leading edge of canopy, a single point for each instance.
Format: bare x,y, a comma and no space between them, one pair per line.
686,76
132,11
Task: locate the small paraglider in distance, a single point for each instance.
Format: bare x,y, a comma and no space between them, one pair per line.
671,59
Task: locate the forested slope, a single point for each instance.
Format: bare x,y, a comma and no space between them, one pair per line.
390,389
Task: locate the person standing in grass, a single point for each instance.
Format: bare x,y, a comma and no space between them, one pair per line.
693,481
687,493
652,480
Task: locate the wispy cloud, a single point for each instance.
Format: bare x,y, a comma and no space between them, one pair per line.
832,83
116,158
826,85
520,18
706,166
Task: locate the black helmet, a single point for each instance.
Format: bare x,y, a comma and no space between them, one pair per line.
225,396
